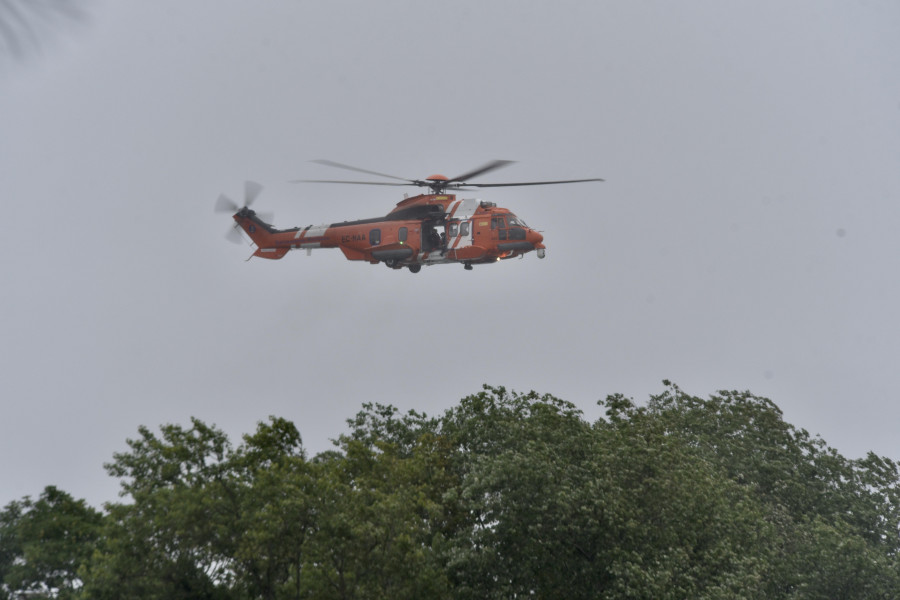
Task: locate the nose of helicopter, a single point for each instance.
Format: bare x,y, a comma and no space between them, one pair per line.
534,237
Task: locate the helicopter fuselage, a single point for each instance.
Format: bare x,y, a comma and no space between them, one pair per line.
422,230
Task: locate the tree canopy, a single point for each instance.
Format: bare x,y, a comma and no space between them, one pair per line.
504,495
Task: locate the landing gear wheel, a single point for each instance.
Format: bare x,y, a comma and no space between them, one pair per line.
415,268
468,266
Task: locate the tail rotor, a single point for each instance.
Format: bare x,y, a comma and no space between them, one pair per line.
225,204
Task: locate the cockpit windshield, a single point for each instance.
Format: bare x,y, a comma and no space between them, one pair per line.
515,221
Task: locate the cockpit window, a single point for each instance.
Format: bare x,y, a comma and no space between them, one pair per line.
515,221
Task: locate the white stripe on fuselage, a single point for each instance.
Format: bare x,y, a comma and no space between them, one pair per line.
466,208
311,232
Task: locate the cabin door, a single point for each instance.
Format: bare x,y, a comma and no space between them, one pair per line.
459,234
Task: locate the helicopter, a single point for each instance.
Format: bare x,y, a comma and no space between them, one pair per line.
423,230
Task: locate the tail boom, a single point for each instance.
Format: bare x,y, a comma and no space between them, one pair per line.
274,243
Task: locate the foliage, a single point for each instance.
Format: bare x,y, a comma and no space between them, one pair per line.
45,542
504,495
207,520
570,510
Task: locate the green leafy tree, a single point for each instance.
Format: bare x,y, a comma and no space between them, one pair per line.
820,503
10,543
44,543
681,528
207,520
379,424
525,466
504,495
561,508
169,542
380,512
275,489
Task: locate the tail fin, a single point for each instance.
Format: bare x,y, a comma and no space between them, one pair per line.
263,234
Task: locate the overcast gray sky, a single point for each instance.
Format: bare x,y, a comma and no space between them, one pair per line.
746,236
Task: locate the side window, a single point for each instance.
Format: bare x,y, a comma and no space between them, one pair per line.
464,229
374,237
453,230
401,235
497,222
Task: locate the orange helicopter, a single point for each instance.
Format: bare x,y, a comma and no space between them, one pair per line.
427,229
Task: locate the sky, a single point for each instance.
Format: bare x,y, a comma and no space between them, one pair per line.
745,237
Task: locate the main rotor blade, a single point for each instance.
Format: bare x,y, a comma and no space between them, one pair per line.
484,185
353,182
251,192
331,163
226,204
491,166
